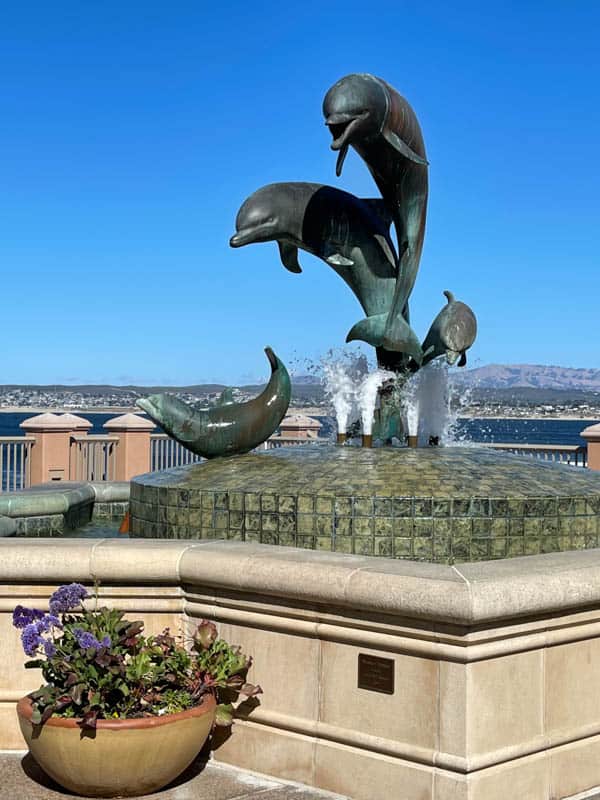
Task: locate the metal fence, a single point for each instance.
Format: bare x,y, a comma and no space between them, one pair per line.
93,458
166,453
15,462
573,454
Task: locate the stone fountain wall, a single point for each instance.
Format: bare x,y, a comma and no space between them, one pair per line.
445,505
482,680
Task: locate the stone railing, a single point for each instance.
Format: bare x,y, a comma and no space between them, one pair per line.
93,458
15,462
59,447
166,453
573,454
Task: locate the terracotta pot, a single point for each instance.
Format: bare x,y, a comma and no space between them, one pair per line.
126,757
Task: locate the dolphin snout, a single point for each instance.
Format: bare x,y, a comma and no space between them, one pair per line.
148,404
263,232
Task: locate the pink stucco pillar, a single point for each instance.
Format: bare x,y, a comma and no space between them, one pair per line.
50,454
133,450
592,436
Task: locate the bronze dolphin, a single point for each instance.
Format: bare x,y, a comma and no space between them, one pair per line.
228,428
350,234
451,333
366,113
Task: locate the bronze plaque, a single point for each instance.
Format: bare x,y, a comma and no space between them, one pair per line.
375,673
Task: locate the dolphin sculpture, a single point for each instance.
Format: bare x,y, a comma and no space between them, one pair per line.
451,333
229,428
351,235
366,113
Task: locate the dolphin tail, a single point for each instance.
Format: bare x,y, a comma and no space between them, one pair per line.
374,331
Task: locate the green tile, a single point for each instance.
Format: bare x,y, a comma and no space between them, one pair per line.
342,544
384,547
306,504
269,522
287,504
441,508
325,526
363,506
236,501
402,507
305,523
423,506
383,526
324,505
402,547
362,526
343,525
364,546
343,506
382,506
268,502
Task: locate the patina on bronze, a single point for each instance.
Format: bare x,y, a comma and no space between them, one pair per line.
352,234
452,332
228,428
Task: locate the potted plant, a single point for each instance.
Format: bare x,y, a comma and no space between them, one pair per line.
121,713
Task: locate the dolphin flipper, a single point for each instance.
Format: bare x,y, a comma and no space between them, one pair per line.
372,330
401,147
288,253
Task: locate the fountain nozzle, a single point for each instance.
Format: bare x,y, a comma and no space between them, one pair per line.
341,438
413,441
367,440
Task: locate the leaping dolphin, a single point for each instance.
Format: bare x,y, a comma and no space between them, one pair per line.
351,235
366,113
228,428
451,333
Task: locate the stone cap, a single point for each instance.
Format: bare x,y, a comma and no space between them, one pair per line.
77,423
465,595
299,421
50,422
592,433
129,422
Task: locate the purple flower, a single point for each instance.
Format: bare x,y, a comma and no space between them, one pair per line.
47,622
49,648
85,639
25,616
106,642
67,597
30,639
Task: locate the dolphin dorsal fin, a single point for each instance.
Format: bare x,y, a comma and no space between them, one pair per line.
288,253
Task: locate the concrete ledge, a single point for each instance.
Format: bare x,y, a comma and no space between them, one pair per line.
468,595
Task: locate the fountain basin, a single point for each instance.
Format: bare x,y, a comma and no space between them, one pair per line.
442,505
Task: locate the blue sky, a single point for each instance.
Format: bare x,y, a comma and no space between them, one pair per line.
132,132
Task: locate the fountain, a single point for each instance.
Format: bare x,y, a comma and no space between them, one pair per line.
442,504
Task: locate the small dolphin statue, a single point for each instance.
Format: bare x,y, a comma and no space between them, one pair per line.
366,113
228,428
451,333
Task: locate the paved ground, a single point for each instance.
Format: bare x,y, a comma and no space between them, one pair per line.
22,779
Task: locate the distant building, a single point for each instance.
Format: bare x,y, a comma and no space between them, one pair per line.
299,426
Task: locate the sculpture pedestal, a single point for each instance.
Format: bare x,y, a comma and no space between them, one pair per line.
445,505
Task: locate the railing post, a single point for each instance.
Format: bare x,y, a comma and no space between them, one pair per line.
133,450
81,427
592,436
50,454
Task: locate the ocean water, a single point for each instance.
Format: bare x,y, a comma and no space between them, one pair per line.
522,431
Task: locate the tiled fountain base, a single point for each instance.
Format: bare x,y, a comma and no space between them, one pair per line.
436,504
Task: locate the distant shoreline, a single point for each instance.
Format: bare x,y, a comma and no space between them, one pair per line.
311,412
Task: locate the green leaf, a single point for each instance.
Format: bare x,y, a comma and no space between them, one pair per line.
224,715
